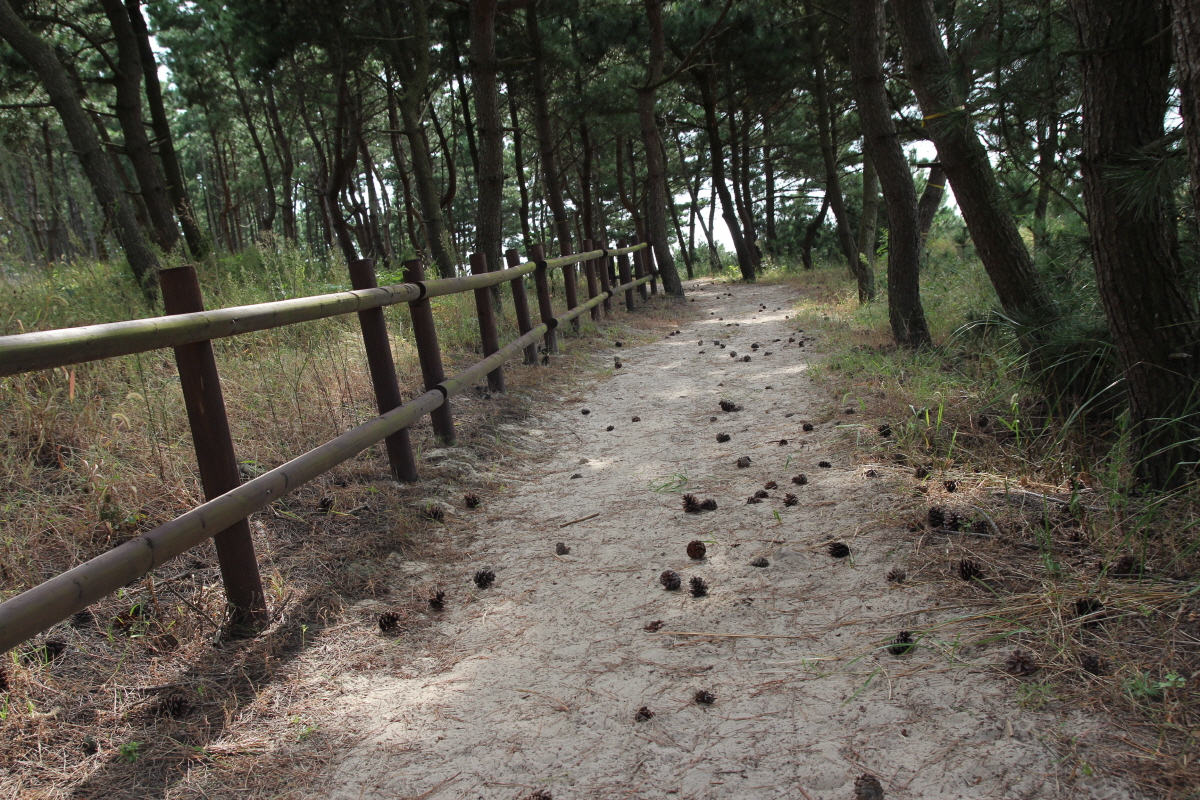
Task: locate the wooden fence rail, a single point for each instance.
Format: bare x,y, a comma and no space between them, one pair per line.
224,516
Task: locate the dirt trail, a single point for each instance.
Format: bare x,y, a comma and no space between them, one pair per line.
534,683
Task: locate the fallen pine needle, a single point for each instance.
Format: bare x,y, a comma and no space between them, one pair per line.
562,706
581,519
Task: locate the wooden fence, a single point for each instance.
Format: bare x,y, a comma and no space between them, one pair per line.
189,329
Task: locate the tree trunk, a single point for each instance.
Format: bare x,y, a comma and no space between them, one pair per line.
127,81
704,81
769,179
656,174
519,166
1187,68
833,182
870,209
885,158
965,160
287,165
810,232
545,132
86,144
930,202
266,220
197,242
490,228
1151,313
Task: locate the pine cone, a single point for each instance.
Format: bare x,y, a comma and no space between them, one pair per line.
937,517
541,794
4,684
970,570
800,480
699,587
920,473
951,486
484,578
761,494
885,430
585,411
723,437
389,621
691,505
824,464
867,787
743,462
472,500
1092,664
709,505
561,549
83,619
1020,663
753,499
438,601
760,562
770,485
981,527
434,512
790,499
654,626
1126,566
705,698
897,575
636,419
729,406
954,521
643,714
871,473
902,644
807,427
609,428
696,549
670,580
174,705
839,549
1086,606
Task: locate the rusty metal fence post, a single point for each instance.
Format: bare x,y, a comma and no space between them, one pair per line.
604,265
545,308
487,321
623,275
428,352
383,371
521,305
201,385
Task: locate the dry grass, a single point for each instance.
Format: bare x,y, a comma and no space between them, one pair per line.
1054,522
148,696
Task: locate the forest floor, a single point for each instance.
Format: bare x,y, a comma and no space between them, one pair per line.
535,684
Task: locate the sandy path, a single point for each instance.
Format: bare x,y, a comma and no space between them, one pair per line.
534,683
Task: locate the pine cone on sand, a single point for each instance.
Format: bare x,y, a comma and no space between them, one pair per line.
743,462
970,570
722,437
760,562
902,644
389,621
691,504
484,578
1020,663
643,714
867,787
771,485
937,517
729,406
670,580
790,499
839,549
709,505
897,575
800,480
705,698
562,549
807,427
471,500
696,549
699,587
438,601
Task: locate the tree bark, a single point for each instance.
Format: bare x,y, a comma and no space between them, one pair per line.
930,202
1151,313
869,218
287,165
965,160
490,229
519,165
885,158
656,175
1187,67
833,182
266,220
86,144
197,242
127,81
545,134
810,232
704,81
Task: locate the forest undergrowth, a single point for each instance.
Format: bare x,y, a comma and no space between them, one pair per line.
141,688
1023,506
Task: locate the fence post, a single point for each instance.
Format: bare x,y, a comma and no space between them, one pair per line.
383,371
428,352
639,270
602,264
589,270
521,305
201,385
487,322
624,276
545,309
651,268
568,272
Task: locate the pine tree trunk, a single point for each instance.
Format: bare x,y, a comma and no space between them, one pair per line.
95,162
1187,67
490,230
545,133
930,202
965,160
1152,315
704,81
886,155
656,175
127,81
287,166
869,219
